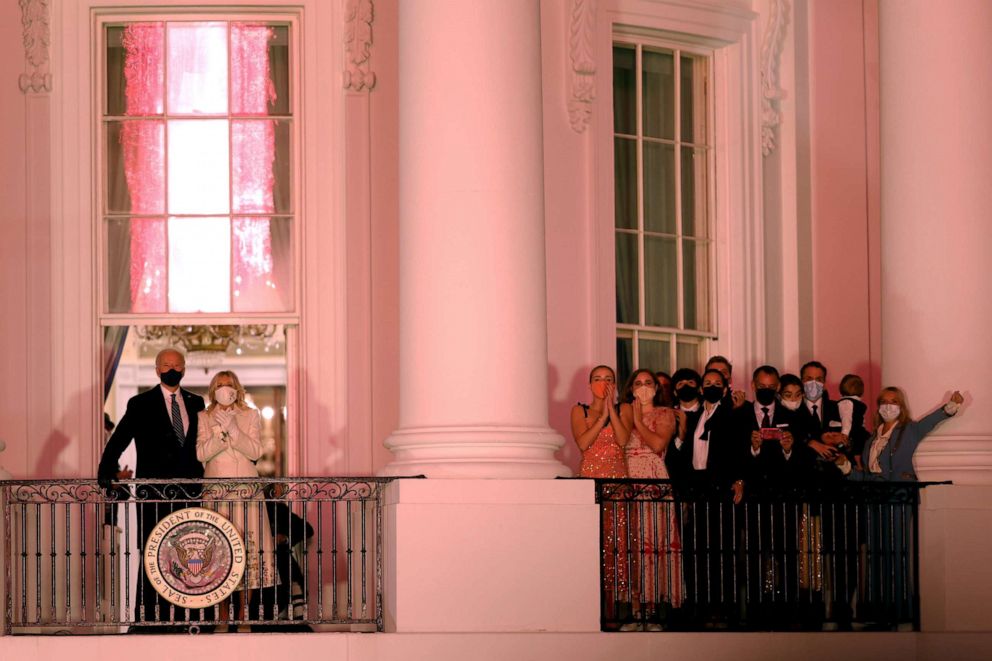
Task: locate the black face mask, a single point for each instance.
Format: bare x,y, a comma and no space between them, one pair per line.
171,378
712,394
687,393
765,396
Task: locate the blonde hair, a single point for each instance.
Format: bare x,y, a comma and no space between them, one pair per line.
900,398
239,402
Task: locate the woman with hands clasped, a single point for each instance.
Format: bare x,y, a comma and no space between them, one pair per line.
657,577
228,443
888,454
598,429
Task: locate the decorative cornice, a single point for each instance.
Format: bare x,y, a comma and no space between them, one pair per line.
580,53
771,93
359,15
34,19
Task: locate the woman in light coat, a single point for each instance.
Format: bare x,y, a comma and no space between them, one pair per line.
228,444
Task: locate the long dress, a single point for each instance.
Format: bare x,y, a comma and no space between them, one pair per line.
657,575
605,459
236,457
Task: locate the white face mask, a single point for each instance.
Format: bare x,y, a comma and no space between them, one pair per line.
813,390
793,404
644,394
225,395
889,412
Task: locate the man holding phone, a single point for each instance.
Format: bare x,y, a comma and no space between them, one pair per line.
763,425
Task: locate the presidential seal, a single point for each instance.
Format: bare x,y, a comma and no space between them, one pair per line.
195,558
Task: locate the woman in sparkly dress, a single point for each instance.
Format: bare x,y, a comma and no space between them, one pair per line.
601,436
657,576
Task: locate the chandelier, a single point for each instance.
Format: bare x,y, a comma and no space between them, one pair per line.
206,346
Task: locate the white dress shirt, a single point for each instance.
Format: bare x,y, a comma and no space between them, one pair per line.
846,409
701,448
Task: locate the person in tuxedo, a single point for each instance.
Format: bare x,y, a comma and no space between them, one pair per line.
711,466
818,418
162,424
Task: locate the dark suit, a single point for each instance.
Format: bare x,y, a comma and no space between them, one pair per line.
149,423
708,521
747,420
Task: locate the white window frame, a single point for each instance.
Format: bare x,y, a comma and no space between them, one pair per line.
730,30
320,318
635,331
290,317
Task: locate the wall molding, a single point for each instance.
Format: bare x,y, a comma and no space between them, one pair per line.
359,16
37,38
771,53
581,55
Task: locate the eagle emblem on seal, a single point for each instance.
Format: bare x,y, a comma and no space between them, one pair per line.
194,552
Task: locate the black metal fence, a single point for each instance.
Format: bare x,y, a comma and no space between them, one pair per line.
834,556
74,555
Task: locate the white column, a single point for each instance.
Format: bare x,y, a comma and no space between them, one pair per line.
936,159
473,318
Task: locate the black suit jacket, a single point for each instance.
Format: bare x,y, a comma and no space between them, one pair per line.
746,421
810,429
148,421
725,459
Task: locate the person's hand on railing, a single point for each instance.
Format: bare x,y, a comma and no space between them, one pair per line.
738,490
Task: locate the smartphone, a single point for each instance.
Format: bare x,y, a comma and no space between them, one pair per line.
770,434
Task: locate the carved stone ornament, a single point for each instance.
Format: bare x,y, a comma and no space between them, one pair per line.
34,19
771,51
359,15
580,54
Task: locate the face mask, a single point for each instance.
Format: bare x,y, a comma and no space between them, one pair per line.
171,378
889,412
712,394
765,396
792,405
225,395
813,390
645,394
687,393
598,389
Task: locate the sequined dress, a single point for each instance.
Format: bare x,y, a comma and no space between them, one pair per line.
657,575
605,458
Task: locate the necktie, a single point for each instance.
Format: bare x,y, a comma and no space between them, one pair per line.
765,420
177,422
816,422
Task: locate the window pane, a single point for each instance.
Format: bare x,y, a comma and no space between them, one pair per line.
199,265
135,160
625,182
198,166
624,90
653,354
135,265
658,94
625,358
660,282
693,91
197,68
695,277
687,353
260,166
626,263
262,254
259,59
694,200
659,187
136,69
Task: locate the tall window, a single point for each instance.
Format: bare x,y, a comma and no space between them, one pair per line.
197,198
662,153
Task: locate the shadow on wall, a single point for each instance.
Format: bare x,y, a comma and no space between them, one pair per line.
560,411
51,460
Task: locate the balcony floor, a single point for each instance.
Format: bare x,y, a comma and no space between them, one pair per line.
498,646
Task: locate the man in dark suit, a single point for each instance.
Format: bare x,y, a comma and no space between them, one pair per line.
162,423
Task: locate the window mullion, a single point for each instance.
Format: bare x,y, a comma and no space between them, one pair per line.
679,258
165,162
639,152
